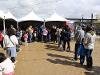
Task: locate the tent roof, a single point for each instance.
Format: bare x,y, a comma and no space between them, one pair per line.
55,17
10,16
1,14
69,21
31,16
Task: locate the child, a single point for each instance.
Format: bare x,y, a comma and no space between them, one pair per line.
6,65
25,36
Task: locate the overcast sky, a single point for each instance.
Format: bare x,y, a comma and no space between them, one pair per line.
45,8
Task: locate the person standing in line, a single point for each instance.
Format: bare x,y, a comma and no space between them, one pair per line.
9,43
25,36
45,32
79,36
30,31
89,42
66,38
53,34
58,34
6,65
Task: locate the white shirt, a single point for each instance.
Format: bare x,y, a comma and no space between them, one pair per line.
80,35
45,32
7,66
90,40
10,42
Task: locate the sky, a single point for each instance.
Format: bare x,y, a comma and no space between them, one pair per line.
45,8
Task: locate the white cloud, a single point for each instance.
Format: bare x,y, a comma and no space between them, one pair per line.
44,8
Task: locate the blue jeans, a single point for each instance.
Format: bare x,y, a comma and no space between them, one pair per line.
89,60
11,51
30,37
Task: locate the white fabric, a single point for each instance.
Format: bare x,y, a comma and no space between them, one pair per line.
30,16
45,32
1,14
81,34
7,41
10,16
55,17
90,40
7,66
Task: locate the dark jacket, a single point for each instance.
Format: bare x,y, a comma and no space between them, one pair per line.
66,35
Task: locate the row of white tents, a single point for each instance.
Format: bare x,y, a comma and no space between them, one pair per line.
32,17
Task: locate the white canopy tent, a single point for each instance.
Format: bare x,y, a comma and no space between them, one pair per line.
10,19
55,17
2,14
30,17
10,16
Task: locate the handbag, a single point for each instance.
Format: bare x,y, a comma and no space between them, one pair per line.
17,48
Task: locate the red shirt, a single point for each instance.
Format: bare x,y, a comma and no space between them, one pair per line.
1,37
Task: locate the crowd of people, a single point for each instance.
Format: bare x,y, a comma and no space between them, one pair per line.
84,37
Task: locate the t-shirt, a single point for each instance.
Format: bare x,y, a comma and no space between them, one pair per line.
80,36
1,36
10,41
7,67
90,40
45,32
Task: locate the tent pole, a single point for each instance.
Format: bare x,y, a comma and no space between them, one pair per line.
44,23
4,25
17,25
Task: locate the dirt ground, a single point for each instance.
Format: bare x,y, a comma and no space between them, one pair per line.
46,59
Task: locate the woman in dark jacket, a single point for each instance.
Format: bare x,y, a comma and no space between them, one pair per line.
66,35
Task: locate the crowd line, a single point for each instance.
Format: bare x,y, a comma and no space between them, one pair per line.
13,38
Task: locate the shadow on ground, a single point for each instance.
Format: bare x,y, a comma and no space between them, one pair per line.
94,71
55,47
64,60
51,47
59,56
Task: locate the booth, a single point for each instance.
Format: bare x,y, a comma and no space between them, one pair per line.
10,20
30,19
55,20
